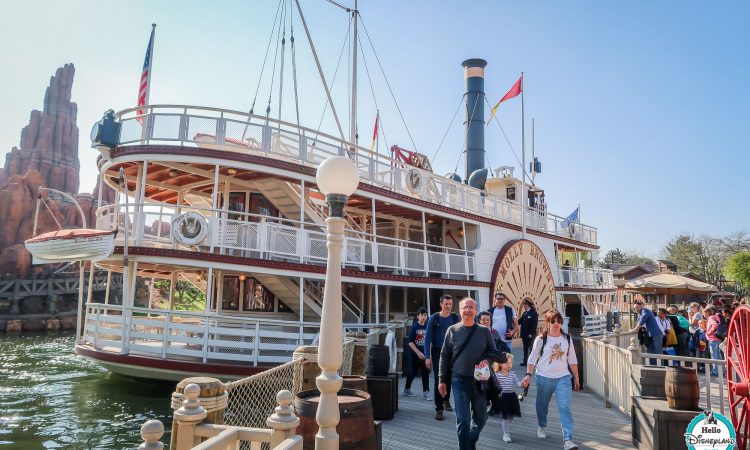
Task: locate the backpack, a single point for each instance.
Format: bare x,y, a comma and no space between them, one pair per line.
436,320
541,352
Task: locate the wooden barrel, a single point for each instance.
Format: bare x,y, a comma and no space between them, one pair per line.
651,381
356,426
356,382
683,391
379,360
210,387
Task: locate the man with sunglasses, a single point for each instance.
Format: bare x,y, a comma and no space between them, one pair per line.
504,319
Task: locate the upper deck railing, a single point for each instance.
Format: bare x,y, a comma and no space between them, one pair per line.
240,132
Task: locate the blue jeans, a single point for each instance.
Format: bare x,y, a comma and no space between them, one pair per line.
713,346
471,411
654,345
563,390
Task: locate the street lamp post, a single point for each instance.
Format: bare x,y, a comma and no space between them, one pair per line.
337,178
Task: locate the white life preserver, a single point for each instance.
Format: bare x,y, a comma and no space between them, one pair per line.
390,342
413,180
190,228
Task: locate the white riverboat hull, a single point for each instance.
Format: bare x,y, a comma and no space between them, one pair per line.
71,245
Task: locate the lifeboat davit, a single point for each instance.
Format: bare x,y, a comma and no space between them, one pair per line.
71,245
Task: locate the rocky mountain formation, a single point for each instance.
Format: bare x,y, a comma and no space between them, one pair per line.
48,156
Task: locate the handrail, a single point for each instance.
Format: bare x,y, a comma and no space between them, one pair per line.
133,209
362,155
226,317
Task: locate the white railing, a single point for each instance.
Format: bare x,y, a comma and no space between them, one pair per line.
258,236
586,277
244,133
198,335
609,372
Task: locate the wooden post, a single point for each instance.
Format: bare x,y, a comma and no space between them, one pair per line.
306,372
152,432
282,421
208,388
190,414
605,341
359,358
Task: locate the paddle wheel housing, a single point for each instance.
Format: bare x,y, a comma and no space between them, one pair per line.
738,374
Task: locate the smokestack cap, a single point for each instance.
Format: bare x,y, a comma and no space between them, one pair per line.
475,62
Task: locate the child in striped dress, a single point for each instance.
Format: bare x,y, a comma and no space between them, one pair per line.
507,381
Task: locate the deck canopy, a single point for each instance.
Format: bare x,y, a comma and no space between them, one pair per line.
669,283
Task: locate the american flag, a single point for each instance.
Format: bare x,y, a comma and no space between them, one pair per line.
146,76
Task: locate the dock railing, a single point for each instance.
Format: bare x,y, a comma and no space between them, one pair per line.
610,363
248,406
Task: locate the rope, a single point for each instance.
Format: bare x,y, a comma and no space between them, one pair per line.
372,90
450,124
294,62
51,213
265,58
281,70
408,132
210,404
523,169
275,58
333,81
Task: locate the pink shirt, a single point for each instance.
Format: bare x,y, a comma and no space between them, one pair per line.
711,326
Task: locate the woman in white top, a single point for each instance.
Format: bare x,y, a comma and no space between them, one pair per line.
554,359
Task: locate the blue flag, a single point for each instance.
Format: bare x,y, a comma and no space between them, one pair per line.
572,217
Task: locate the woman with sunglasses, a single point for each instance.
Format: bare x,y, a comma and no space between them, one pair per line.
554,359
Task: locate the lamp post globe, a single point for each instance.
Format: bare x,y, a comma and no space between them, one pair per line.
337,175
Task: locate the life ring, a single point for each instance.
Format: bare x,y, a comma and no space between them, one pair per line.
390,342
190,228
413,180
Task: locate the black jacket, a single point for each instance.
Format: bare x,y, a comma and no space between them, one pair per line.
529,321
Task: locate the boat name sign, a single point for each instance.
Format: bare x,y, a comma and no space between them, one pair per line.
522,271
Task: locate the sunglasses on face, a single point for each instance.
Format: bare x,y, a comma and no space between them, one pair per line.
553,321
500,298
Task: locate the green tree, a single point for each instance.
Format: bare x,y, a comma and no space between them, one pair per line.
737,269
617,256
186,297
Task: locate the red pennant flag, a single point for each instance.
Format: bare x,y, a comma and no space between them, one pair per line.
513,92
375,131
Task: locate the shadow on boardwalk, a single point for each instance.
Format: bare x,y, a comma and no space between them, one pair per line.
596,427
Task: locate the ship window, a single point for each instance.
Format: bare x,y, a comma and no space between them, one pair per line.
260,205
231,294
510,193
237,203
257,297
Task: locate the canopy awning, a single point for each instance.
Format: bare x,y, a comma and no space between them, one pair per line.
669,283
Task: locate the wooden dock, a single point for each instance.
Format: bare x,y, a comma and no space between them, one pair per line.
414,427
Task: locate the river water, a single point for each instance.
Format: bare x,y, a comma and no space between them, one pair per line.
53,399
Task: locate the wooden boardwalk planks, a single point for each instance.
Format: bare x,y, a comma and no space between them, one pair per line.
596,427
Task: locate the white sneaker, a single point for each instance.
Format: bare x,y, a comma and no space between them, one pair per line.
426,395
506,437
570,445
541,433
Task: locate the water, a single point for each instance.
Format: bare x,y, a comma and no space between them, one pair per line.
53,399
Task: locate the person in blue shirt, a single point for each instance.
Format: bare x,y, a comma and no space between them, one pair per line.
437,326
654,335
417,335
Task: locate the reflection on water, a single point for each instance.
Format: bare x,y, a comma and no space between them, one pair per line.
51,398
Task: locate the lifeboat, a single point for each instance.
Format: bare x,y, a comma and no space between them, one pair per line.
71,245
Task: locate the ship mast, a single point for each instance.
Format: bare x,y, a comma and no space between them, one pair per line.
353,118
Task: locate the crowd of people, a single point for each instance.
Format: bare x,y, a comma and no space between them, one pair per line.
699,330
470,357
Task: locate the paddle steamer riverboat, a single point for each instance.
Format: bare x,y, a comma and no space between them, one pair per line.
227,202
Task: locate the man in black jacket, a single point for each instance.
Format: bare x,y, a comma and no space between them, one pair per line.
529,322
467,344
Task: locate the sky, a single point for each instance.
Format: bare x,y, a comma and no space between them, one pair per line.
640,108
